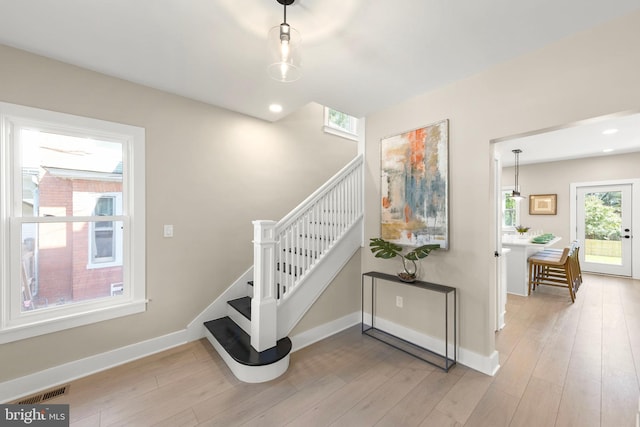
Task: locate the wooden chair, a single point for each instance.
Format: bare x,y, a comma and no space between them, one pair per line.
555,268
576,259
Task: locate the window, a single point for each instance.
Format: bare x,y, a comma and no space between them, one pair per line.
105,237
72,207
340,124
103,242
510,210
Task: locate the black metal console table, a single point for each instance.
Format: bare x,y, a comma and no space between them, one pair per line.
441,361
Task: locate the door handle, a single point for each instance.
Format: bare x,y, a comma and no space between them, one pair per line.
627,236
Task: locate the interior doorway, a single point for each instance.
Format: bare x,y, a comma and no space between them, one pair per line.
598,138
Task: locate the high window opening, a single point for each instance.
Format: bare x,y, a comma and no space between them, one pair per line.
341,124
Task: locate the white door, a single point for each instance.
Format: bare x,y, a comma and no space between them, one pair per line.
603,225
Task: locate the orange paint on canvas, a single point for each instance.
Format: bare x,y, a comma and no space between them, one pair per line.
416,147
408,213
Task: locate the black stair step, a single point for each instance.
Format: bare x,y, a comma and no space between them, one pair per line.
242,305
238,344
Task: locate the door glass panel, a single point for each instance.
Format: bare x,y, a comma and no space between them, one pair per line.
603,220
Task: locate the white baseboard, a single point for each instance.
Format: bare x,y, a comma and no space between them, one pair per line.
488,365
14,389
321,332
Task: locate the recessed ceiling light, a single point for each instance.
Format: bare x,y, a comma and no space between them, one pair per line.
609,131
275,108
607,150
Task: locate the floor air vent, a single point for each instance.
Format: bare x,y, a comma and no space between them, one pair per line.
43,396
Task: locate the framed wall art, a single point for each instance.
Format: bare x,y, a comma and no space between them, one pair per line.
543,204
414,174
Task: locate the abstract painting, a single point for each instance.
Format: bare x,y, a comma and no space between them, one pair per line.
415,186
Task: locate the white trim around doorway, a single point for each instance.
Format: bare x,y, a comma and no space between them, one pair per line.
635,215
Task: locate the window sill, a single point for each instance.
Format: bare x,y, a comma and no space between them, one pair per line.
46,326
93,266
340,133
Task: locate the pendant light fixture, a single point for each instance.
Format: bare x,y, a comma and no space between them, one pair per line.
516,188
284,50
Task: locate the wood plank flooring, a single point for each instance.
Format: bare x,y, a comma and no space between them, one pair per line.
562,364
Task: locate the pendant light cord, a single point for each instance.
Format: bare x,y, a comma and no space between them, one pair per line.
517,178
517,170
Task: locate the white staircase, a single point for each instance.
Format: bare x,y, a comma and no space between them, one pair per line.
295,259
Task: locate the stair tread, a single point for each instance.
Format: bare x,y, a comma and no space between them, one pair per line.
238,344
242,305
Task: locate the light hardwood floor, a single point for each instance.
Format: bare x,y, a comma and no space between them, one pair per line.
562,364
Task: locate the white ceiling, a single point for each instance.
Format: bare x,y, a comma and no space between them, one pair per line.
576,140
359,56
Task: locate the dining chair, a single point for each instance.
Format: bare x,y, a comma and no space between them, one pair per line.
556,268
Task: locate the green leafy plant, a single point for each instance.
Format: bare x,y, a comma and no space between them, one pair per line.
387,250
522,229
602,221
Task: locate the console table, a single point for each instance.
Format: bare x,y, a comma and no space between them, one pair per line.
442,361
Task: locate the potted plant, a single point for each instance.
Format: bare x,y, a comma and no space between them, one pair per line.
522,229
387,250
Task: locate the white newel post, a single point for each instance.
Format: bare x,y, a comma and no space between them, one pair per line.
263,304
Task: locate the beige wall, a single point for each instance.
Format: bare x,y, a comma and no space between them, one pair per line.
210,172
557,177
587,75
340,299
198,155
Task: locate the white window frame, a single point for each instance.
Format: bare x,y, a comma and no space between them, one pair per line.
352,132
503,207
16,324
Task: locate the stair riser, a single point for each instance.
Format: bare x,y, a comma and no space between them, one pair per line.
249,374
239,318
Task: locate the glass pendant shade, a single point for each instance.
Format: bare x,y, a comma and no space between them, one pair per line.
284,53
